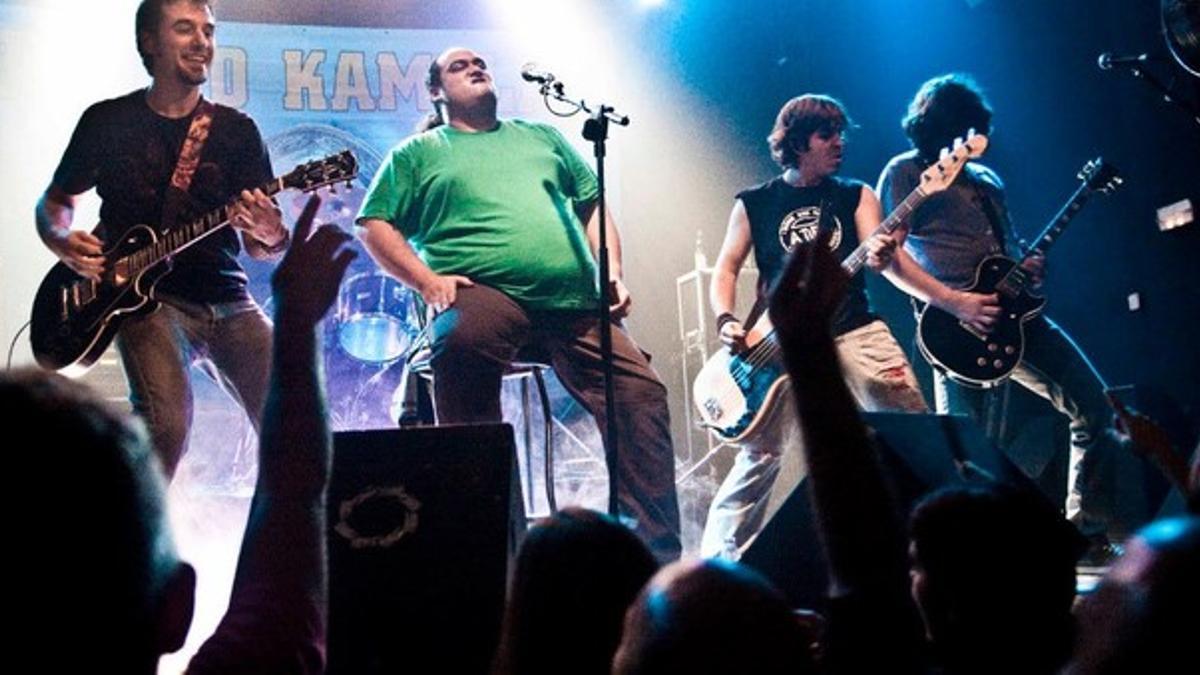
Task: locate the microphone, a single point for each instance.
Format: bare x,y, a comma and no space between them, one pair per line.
530,73
1106,61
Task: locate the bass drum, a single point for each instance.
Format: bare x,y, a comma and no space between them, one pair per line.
376,318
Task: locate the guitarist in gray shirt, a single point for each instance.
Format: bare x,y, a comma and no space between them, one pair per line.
945,240
772,219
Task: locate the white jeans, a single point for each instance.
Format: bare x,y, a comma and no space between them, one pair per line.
770,464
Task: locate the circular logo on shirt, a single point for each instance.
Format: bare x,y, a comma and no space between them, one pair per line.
800,226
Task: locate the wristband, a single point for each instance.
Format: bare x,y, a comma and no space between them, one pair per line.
279,246
724,318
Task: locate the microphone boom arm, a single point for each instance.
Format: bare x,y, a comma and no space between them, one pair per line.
554,90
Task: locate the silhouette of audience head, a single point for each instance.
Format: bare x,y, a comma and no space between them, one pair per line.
1142,616
576,573
711,616
991,563
108,586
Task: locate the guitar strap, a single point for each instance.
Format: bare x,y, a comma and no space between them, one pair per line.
989,211
185,166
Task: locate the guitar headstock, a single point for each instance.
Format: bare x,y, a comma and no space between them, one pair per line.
942,173
317,174
1100,176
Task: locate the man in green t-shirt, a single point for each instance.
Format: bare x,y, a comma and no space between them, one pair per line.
485,218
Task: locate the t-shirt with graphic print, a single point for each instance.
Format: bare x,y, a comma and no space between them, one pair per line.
128,152
782,216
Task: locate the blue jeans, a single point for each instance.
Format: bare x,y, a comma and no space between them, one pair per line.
1055,368
233,341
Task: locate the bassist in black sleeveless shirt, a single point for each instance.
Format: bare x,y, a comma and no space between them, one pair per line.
771,219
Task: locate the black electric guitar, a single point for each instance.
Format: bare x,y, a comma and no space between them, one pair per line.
984,360
735,391
74,318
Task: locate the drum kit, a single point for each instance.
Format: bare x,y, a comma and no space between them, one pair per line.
377,318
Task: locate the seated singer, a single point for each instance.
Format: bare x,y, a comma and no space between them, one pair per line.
485,218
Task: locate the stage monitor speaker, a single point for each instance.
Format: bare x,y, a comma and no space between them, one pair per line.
917,453
421,526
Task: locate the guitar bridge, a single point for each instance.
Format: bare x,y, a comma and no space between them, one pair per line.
973,331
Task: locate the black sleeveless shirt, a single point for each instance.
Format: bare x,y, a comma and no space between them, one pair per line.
782,216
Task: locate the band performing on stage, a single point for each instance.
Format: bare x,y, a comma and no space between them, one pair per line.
491,252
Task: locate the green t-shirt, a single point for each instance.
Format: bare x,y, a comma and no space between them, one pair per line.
495,206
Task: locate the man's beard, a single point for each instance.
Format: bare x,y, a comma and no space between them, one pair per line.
189,76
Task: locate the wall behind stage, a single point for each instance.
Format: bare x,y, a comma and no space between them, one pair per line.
702,81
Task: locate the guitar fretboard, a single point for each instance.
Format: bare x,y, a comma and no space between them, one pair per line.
180,238
858,257
1015,282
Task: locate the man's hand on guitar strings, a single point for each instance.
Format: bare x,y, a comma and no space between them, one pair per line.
733,335
980,311
83,252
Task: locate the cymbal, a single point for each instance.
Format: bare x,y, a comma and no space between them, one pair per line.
1181,28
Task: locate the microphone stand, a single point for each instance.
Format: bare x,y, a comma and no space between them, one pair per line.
1168,94
595,129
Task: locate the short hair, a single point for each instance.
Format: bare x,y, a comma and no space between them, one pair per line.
798,119
103,554
148,17
576,573
1016,540
711,616
945,108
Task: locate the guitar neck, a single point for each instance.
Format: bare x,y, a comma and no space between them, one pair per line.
1019,278
1051,233
858,257
180,238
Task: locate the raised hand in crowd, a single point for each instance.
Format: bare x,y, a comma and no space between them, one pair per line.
277,611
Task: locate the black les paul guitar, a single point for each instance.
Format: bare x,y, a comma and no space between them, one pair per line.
75,319
985,360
